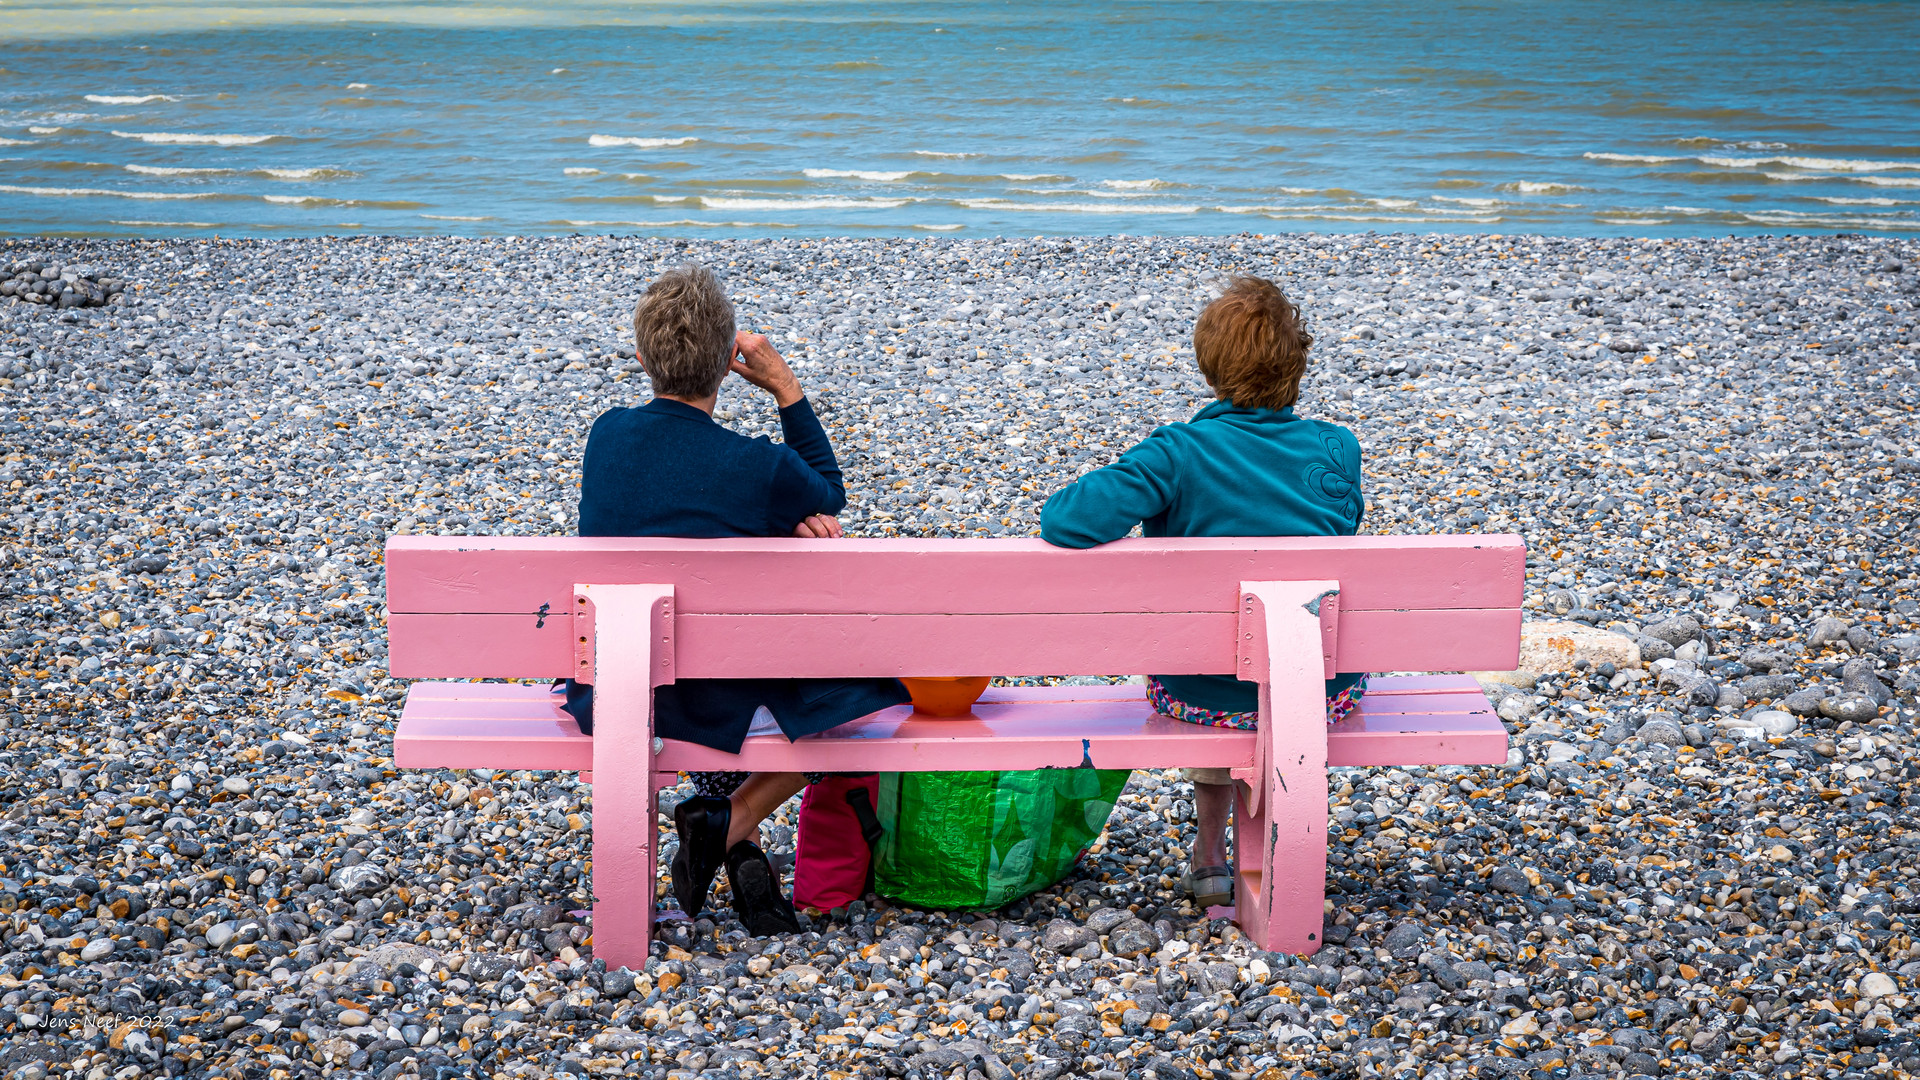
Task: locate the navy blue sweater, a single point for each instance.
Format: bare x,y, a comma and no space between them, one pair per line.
667,469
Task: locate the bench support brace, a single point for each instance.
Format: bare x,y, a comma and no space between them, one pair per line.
628,624
1281,811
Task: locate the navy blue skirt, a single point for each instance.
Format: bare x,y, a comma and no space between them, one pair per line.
717,712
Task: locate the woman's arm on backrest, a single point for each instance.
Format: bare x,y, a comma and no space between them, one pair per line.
1108,502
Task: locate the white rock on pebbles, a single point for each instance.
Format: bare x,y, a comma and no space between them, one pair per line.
1708,444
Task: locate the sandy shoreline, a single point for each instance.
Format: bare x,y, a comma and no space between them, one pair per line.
209,861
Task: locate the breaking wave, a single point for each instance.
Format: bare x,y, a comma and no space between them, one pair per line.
642,143
190,138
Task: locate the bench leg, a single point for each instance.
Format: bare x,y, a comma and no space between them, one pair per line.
1280,836
625,823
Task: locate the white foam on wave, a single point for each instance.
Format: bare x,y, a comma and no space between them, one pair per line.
1075,208
855,174
170,224
937,228
1787,217
1841,165
53,191
1542,187
319,173
1468,202
1307,214
1393,204
170,170
829,203
1830,221
1316,209
454,217
1134,185
44,130
581,172
194,139
129,99
1875,200
641,142
1855,178
1087,192
943,154
1032,176
685,222
359,86
1645,159
16,142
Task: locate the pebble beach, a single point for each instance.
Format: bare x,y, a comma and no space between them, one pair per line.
1700,859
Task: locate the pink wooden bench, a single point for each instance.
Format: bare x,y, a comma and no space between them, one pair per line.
630,614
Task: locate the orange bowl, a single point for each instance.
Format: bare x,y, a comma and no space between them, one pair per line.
946,696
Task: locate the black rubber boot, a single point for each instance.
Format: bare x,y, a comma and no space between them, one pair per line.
702,824
763,909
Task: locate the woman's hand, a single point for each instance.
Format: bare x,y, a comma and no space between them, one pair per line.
755,360
819,527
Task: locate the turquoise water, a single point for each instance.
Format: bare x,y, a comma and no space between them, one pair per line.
962,118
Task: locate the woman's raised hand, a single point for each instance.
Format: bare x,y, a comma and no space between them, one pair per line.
756,360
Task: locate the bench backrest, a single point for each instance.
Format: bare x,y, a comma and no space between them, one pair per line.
500,607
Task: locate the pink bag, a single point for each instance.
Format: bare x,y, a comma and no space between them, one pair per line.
833,854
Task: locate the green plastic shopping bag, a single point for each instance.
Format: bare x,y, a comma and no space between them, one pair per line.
983,839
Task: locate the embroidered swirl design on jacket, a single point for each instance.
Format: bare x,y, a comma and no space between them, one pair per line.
1328,480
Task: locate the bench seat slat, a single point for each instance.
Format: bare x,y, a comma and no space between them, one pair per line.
1423,704
479,709
472,691
527,741
515,726
1379,688
1450,683
826,646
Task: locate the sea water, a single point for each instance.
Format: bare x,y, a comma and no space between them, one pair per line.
1638,117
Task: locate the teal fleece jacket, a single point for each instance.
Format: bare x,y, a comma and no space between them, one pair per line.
1227,472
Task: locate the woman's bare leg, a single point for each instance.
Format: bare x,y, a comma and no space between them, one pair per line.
760,795
1212,808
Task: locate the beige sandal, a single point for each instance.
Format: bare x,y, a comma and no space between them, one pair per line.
1210,886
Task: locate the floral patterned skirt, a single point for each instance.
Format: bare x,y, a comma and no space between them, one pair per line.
1338,706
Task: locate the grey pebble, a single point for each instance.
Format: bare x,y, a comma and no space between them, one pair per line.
1509,879
1661,733
1676,631
1856,707
1806,702
1827,631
